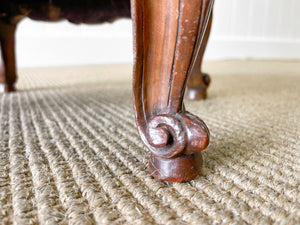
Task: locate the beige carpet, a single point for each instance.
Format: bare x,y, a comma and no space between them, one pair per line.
70,153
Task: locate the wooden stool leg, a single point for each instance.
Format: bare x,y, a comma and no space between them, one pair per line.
199,81
168,35
8,75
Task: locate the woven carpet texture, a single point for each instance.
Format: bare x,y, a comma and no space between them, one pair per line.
70,152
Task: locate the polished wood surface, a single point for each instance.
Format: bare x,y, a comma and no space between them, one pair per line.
168,36
198,82
169,39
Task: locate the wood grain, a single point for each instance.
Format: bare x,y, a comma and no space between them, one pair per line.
168,35
199,82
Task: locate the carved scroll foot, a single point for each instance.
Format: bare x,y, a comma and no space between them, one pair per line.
181,169
168,35
175,142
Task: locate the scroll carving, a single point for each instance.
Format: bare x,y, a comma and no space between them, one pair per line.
173,135
168,36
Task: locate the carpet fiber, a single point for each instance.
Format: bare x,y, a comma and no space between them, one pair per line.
70,152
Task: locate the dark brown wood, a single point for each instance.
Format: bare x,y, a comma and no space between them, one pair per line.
176,166
79,11
199,81
7,67
84,11
168,36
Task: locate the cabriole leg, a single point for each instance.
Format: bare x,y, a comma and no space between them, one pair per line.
168,36
199,81
8,75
